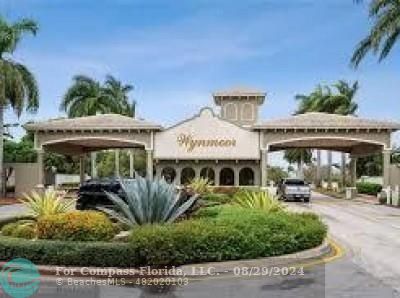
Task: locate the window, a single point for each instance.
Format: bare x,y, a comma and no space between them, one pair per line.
247,112
231,111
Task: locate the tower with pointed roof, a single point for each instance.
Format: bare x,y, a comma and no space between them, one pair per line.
240,105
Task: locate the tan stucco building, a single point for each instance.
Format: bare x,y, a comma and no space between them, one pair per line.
229,147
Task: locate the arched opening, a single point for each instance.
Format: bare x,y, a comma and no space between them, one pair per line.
208,173
168,174
231,111
246,176
187,175
227,177
247,112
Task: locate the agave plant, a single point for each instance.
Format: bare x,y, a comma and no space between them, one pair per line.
258,200
147,201
200,185
48,203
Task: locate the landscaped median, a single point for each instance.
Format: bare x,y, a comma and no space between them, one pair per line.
230,233
252,225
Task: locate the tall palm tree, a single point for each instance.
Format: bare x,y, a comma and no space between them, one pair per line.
324,99
384,33
298,156
88,97
117,91
313,103
18,87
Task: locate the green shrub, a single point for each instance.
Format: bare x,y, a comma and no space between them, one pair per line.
76,226
232,234
9,228
20,229
208,212
260,200
217,198
369,188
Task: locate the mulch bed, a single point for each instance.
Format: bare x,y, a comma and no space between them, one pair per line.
8,201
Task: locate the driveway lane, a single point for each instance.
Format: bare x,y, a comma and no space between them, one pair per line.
370,233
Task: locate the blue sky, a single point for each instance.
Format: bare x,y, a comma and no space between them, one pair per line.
176,53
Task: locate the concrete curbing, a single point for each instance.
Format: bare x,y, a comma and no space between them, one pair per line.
195,270
218,268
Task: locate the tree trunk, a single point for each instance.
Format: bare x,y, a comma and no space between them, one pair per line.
343,170
329,169
93,159
117,173
2,184
318,171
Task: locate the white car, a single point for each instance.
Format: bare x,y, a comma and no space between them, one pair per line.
294,189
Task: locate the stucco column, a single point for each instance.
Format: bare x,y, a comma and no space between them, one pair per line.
40,163
131,163
82,168
177,179
353,171
93,161
236,178
263,167
217,170
149,164
386,167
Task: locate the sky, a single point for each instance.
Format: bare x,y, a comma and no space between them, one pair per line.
176,53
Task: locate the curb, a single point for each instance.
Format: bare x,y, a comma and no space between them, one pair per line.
194,270
218,268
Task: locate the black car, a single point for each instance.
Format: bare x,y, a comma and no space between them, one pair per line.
92,193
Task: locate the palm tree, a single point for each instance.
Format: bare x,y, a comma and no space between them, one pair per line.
384,33
313,103
323,99
88,97
18,87
117,91
298,156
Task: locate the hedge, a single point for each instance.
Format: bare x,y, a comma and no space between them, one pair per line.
228,234
369,188
76,226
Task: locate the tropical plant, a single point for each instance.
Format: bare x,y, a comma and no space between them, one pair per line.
147,201
384,33
323,99
88,97
258,200
49,203
298,156
18,87
200,185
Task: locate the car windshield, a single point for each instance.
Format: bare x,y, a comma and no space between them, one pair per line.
294,182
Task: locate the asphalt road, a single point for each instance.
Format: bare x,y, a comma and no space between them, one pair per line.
369,268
